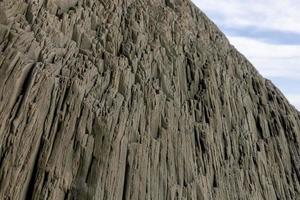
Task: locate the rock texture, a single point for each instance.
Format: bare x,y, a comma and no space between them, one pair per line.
132,99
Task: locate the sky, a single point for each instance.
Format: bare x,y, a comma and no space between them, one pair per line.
267,33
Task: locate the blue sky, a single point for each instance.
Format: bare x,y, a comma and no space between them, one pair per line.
267,33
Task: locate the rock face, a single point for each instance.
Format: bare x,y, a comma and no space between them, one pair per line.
131,99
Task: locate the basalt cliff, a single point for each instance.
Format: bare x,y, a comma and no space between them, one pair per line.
136,99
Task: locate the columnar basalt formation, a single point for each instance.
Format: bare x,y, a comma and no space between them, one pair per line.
136,99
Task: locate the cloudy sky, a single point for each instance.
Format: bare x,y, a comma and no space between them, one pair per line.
267,33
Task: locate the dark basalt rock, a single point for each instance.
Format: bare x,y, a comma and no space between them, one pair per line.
130,99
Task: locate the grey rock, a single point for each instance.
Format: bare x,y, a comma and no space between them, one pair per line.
3,18
130,99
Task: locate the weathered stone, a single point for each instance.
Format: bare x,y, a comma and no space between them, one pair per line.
130,99
3,18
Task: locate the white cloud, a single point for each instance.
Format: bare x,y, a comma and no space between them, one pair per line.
281,15
295,100
272,61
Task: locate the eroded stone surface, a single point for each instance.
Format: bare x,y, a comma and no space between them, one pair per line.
115,99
